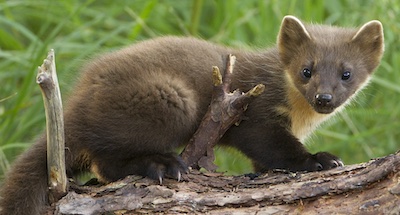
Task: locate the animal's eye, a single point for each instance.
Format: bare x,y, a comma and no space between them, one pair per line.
346,75
306,73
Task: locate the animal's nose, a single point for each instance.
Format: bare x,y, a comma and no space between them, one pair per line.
323,99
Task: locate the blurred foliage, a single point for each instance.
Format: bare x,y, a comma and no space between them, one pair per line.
79,30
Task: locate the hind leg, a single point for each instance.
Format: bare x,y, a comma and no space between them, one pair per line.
135,132
155,166
132,128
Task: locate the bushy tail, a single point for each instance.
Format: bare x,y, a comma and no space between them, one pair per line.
24,190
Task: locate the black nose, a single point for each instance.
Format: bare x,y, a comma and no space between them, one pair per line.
323,99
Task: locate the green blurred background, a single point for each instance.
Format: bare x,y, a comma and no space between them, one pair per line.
79,29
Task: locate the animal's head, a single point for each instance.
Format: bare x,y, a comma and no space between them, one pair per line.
328,65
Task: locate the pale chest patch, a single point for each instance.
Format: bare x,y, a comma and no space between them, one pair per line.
304,120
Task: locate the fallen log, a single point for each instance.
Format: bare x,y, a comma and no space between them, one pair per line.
367,188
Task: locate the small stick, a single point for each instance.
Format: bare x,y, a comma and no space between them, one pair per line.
48,82
226,109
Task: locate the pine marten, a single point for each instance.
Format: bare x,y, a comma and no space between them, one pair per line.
132,108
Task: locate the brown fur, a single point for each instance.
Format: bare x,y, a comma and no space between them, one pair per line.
132,108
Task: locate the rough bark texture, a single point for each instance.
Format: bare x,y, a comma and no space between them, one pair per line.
368,188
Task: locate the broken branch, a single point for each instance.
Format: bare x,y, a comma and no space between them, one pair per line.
48,82
226,109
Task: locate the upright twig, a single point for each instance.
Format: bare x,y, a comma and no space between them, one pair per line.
48,82
226,109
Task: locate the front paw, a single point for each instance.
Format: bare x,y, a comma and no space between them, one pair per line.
164,165
322,161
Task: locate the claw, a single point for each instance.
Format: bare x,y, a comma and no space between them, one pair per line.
160,179
179,176
337,163
319,167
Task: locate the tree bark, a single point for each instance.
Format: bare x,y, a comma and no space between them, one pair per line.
368,188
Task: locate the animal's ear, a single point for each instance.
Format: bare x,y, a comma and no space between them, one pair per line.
369,40
292,35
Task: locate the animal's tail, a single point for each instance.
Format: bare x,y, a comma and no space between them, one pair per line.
24,190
